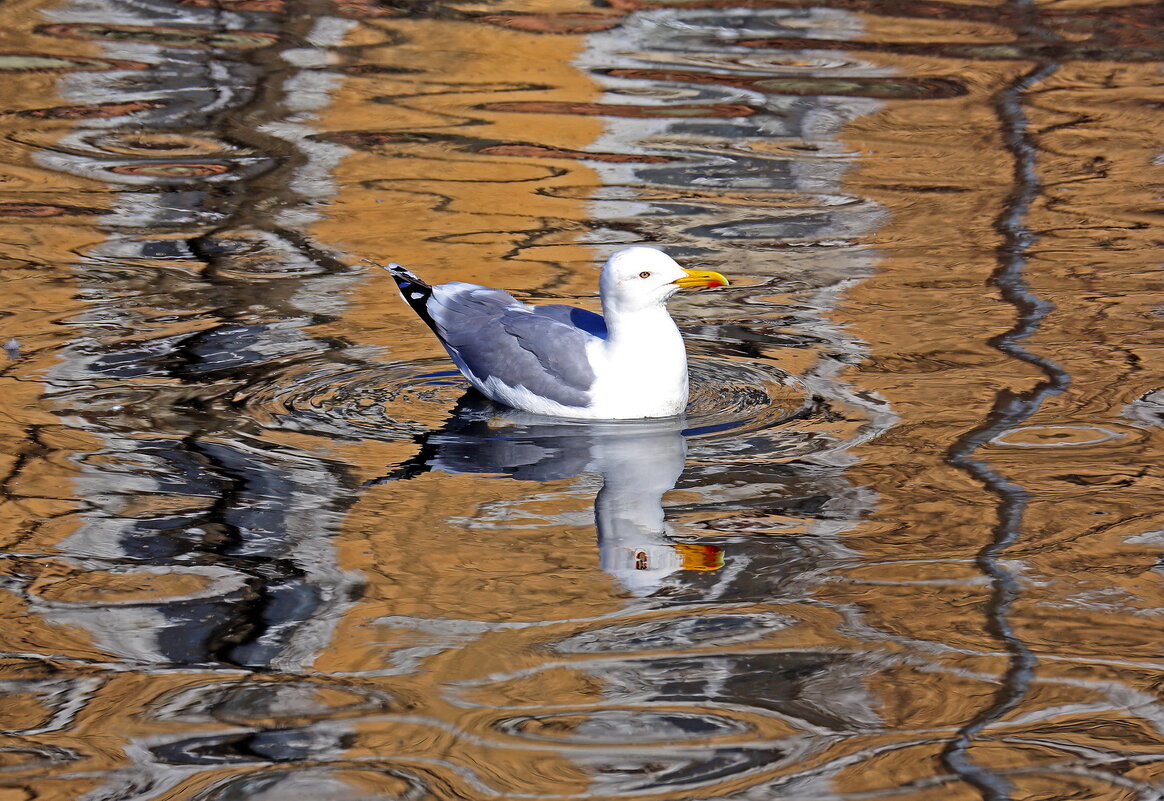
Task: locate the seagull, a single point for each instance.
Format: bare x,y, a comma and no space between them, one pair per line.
627,363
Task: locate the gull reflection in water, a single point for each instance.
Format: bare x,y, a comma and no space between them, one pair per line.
638,460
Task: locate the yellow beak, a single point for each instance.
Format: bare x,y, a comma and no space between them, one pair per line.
700,278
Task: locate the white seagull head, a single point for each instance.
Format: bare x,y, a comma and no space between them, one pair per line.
639,278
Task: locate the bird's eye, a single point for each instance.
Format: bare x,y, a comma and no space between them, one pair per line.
644,274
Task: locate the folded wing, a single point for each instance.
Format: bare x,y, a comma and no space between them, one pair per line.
492,336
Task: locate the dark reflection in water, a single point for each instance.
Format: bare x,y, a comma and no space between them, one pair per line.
638,462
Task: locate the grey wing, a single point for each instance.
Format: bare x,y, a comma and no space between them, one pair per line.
490,334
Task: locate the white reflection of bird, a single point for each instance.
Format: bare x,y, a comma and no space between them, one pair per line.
558,360
639,461
634,544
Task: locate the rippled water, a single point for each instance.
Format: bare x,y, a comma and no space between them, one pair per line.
261,543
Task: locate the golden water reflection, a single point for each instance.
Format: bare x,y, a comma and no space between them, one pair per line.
259,544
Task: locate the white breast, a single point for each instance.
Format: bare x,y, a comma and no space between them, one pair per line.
640,373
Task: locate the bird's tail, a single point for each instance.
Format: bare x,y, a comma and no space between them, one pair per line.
414,290
403,276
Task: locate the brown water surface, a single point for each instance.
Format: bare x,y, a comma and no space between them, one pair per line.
260,544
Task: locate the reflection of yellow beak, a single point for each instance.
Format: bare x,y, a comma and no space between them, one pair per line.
700,557
700,278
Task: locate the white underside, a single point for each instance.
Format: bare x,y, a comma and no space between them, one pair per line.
615,399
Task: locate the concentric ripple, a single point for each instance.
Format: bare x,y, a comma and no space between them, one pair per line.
383,402
615,726
742,398
402,401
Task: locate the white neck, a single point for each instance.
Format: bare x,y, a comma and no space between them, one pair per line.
644,330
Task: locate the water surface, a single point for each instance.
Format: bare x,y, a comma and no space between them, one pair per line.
260,542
